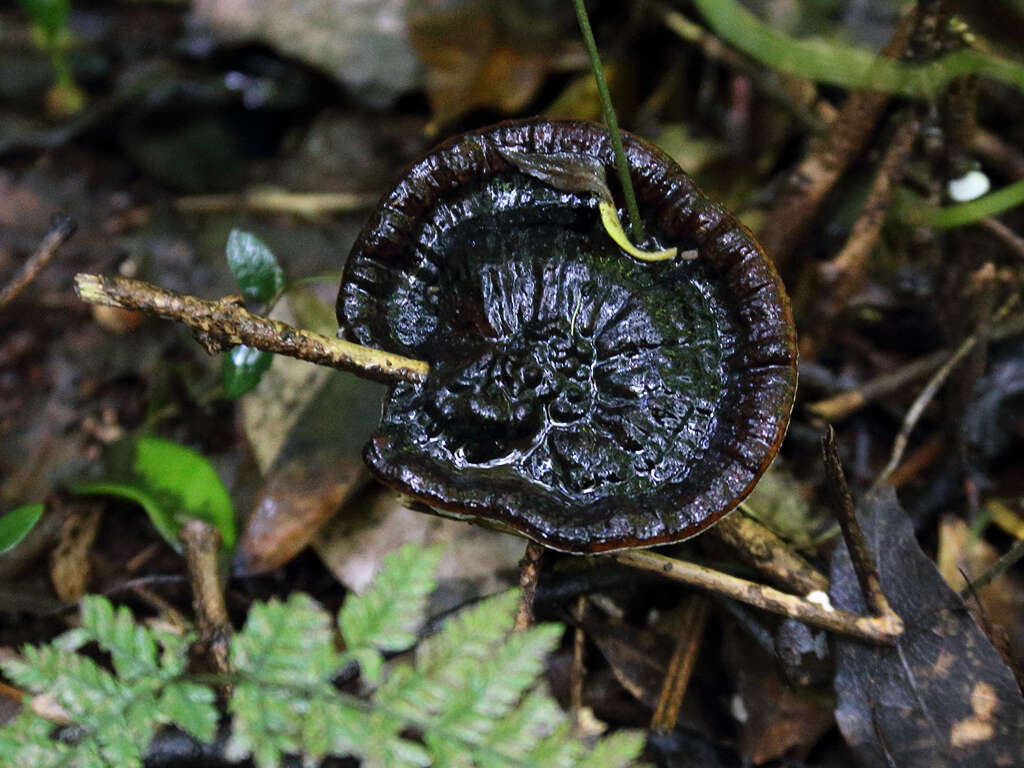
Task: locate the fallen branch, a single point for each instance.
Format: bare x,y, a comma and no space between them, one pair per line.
225,323
816,612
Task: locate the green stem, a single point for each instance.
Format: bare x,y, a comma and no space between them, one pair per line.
636,223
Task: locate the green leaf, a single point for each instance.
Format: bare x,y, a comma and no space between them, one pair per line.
387,616
242,368
172,484
254,266
16,524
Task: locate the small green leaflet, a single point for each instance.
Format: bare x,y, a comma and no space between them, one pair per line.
172,483
242,368
253,264
15,525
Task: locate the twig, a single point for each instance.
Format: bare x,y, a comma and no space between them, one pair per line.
636,223
935,383
680,666
528,576
918,460
758,545
201,543
997,569
863,563
842,405
843,276
277,201
873,628
61,229
224,323
812,180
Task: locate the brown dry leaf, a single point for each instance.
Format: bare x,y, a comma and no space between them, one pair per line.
775,719
69,563
482,54
1000,599
477,562
296,499
638,657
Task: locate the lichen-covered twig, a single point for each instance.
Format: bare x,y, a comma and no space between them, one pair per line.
876,629
222,324
61,229
756,544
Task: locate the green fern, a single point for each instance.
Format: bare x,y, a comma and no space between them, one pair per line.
469,697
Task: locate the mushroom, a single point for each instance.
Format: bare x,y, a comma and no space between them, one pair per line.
578,395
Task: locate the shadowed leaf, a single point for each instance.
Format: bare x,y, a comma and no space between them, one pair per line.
941,696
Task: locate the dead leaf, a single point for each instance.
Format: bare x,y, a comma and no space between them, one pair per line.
477,562
780,719
69,563
941,695
296,499
482,54
638,657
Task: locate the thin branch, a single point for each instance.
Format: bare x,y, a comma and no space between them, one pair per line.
278,201
690,632
840,406
997,569
935,383
842,505
877,629
636,223
816,175
61,229
222,324
841,277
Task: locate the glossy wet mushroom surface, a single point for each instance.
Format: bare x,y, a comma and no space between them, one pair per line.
584,398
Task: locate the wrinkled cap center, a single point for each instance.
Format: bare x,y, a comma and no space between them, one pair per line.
553,354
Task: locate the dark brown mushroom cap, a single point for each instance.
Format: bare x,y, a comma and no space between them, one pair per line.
583,398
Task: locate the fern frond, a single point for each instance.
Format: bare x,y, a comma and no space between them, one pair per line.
131,645
387,616
286,643
469,698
